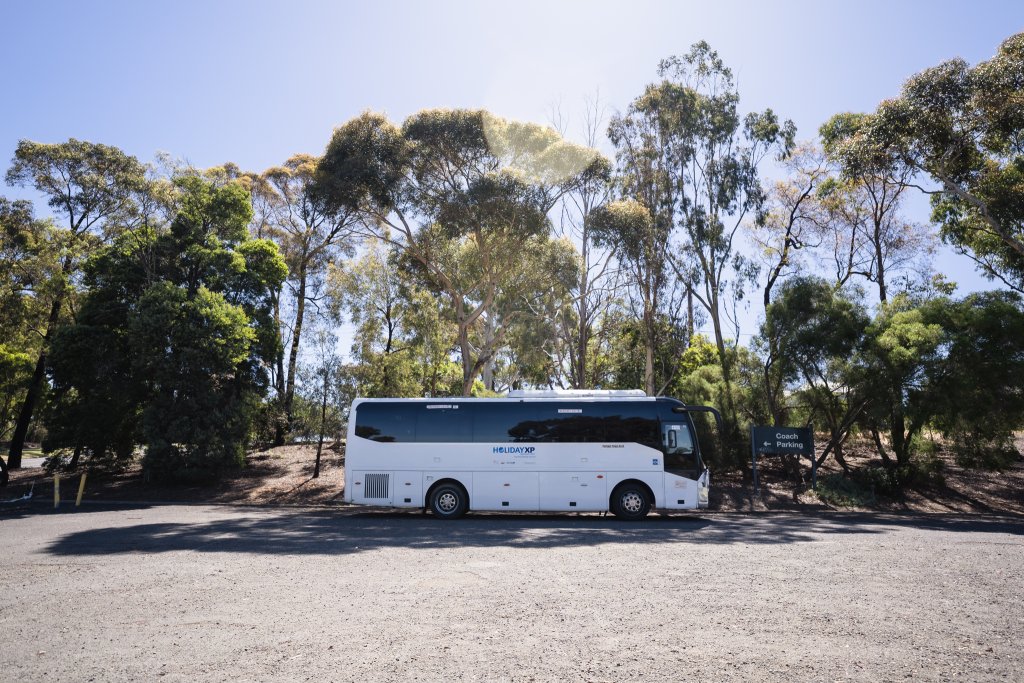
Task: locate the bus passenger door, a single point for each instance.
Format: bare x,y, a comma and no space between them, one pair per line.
682,465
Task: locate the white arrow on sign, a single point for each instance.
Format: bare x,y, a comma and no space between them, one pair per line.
766,444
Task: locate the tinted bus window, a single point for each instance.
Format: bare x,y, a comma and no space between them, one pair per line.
632,422
570,423
387,422
501,422
444,422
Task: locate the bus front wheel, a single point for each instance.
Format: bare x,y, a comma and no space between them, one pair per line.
630,502
449,501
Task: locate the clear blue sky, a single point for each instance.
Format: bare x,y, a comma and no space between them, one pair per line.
254,82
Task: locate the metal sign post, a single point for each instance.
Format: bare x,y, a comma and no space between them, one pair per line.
782,441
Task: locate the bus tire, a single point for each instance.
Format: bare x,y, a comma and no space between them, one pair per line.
448,501
630,501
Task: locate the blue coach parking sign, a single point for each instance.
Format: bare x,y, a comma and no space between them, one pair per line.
782,441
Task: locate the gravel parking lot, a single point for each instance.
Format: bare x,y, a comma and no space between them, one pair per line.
222,593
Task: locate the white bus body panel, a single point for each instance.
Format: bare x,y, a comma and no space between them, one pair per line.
552,477
512,476
581,490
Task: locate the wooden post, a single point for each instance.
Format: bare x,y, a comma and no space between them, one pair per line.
56,491
81,490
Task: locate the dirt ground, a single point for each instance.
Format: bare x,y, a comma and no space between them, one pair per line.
962,490
284,476
278,476
197,593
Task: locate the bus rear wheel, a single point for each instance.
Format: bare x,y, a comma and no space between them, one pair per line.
630,502
449,501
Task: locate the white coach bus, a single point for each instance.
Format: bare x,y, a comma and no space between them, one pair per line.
534,450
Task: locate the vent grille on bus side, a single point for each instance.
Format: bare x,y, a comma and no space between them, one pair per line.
376,485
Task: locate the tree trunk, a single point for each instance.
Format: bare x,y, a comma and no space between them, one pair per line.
649,351
488,374
729,439
75,458
279,379
293,358
35,387
323,419
467,359
580,371
689,314
582,341
882,292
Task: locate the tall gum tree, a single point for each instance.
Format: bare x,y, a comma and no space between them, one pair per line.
599,280
699,160
713,156
311,235
873,239
964,127
794,223
462,194
377,299
639,243
95,188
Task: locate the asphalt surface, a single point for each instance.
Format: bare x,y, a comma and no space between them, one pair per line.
195,593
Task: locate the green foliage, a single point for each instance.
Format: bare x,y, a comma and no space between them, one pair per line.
191,349
962,125
101,191
687,156
863,487
88,183
628,360
975,451
465,197
809,346
30,278
402,339
170,343
976,395
640,241
699,353
840,490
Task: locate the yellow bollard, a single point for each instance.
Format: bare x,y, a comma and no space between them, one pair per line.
56,491
81,490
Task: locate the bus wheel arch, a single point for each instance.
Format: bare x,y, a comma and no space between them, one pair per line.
631,499
448,499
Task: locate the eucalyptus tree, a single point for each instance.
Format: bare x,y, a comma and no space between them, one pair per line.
320,389
712,157
639,225
599,281
872,238
964,127
312,235
463,195
795,220
376,298
687,156
639,241
96,189
530,309
29,272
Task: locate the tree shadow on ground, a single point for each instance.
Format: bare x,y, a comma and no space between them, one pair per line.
315,533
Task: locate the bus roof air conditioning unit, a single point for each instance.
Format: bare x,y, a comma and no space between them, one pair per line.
577,393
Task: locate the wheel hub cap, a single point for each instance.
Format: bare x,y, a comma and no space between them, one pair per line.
447,502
